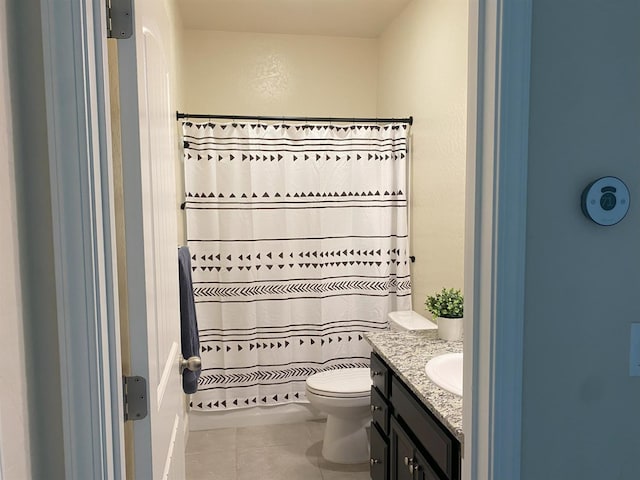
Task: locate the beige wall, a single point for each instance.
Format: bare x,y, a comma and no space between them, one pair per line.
417,67
423,72
176,47
265,74
14,425
580,407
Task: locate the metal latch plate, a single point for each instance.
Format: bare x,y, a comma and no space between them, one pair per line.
120,19
135,398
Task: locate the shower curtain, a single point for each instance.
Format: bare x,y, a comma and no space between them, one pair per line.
299,240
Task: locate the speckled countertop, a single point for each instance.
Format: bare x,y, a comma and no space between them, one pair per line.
407,353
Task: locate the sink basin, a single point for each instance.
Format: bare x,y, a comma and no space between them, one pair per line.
446,372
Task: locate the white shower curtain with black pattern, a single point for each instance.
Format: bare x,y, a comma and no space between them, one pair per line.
300,245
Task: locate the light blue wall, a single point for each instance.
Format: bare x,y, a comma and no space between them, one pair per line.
35,237
581,410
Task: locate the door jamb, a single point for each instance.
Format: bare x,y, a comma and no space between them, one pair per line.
79,148
496,206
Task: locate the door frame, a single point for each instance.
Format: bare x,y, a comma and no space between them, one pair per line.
79,148
84,247
495,234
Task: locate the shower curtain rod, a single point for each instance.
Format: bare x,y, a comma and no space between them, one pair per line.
296,119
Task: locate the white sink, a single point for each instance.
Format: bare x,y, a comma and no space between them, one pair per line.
446,372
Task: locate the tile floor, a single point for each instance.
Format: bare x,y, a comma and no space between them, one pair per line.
273,452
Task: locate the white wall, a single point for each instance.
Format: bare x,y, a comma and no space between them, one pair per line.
581,417
423,72
267,74
14,426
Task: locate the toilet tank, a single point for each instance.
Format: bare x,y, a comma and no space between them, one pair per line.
409,320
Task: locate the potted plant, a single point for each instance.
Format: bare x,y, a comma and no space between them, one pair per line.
447,307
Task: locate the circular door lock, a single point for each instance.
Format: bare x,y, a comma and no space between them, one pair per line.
606,201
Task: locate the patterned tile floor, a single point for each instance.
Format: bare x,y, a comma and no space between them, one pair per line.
274,452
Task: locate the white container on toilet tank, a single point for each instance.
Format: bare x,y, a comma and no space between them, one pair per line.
409,320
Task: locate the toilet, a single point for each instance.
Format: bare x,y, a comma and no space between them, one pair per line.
344,394
408,320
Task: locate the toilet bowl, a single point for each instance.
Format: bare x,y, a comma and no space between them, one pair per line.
344,395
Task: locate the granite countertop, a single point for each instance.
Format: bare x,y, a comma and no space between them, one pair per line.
407,353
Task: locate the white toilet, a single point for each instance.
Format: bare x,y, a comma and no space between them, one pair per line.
409,320
344,394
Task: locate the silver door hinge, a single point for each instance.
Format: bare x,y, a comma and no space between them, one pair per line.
119,19
136,400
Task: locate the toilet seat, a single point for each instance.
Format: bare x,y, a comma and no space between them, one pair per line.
341,383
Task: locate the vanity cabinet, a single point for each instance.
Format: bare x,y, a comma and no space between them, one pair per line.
407,441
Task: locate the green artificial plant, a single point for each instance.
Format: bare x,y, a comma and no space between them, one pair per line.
446,304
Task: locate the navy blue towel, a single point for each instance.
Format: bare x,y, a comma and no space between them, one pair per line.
188,320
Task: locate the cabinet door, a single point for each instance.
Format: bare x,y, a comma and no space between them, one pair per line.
422,470
401,453
379,455
434,438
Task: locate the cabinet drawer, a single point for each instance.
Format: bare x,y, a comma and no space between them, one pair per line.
380,375
379,455
380,410
438,443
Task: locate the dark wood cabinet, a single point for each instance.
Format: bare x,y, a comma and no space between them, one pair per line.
380,375
407,441
379,454
380,411
402,453
407,463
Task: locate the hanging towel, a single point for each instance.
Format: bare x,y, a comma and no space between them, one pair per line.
188,320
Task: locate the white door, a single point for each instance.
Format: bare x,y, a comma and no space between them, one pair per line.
149,146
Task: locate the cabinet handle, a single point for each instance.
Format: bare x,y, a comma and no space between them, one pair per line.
374,461
409,463
375,374
374,408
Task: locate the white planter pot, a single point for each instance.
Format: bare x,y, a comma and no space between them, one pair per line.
450,328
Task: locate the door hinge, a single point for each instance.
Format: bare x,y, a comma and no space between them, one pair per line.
135,398
119,19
